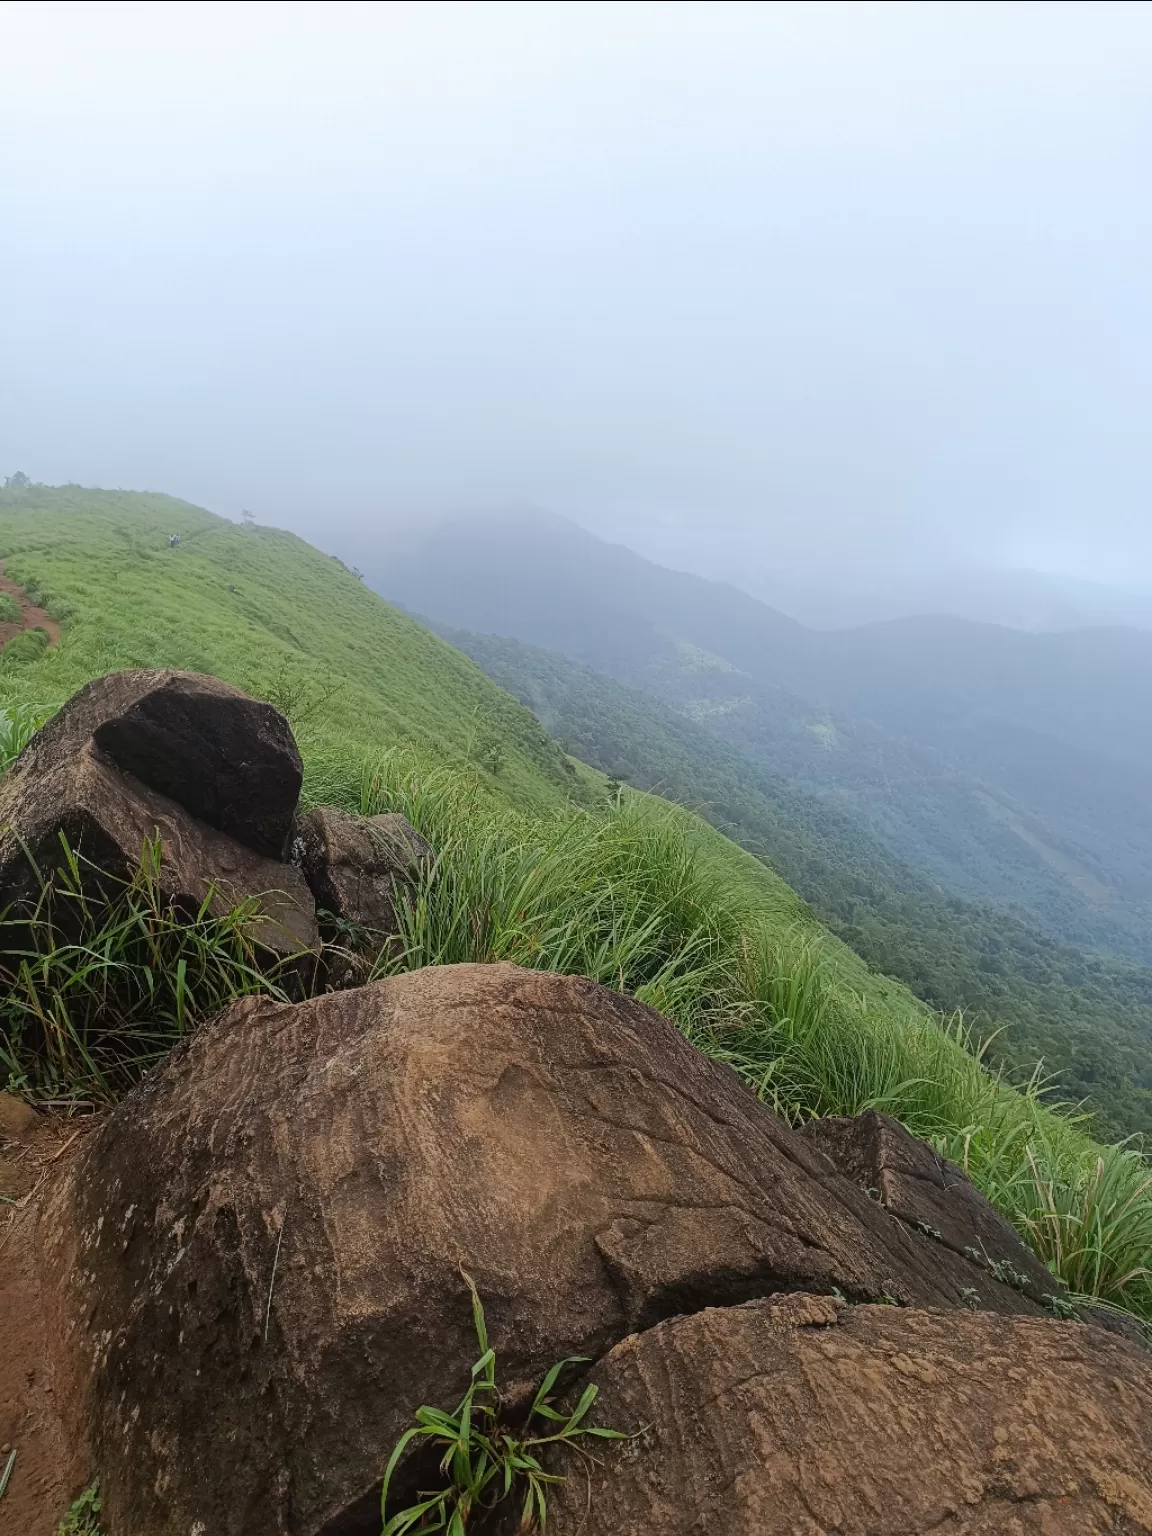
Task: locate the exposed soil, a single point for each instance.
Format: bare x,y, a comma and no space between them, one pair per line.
49,1470
31,617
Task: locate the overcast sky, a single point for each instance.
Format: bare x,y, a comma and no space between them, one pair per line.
797,280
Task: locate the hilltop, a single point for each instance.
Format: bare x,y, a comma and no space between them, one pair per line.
540,861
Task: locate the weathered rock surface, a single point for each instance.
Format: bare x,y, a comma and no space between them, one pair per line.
229,759
107,818
929,1193
258,1256
357,865
66,784
796,1417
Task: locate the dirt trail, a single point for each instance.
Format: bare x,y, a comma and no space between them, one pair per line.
49,1471
31,617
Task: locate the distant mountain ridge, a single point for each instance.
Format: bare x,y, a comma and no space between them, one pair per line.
1008,767
828,595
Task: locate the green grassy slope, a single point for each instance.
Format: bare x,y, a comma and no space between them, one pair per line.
1089,1019
265,611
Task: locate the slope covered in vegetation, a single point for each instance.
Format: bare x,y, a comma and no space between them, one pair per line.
538,864
261,609
1088,1019
1008,768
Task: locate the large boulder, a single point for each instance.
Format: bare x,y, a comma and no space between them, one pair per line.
141,754
229,759
929,1193
258,1257
358,866
795,1416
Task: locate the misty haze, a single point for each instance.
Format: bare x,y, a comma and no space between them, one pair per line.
575,721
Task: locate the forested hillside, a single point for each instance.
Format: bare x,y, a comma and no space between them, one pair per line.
1088,1019
1007,768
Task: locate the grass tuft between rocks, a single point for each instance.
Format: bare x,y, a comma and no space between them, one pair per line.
486,1462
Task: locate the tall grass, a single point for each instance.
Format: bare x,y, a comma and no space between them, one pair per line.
18,724
624,897
100,978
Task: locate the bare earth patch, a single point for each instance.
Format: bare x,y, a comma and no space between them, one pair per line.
49,1468
31,617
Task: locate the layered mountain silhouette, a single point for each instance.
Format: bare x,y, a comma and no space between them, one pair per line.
1008,767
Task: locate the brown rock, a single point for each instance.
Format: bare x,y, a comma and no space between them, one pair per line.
60,789
50,1467
786,1417
228,759
927,1192
259,1253
356,865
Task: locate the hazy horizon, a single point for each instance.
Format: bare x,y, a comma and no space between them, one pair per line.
748,288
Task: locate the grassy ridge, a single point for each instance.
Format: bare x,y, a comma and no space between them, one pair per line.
266,611
534,866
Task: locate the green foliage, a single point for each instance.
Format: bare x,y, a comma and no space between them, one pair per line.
96,987
18,724
486,1463
10,610
83,1518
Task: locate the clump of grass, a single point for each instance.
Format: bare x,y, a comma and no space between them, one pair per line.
486,1463
83,1517
18,724
10,610
101,977
28,645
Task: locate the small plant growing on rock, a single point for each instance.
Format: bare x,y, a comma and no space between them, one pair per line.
485,1462
1006,1272
1063,1307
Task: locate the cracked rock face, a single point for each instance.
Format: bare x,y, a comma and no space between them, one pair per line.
794,1417
261,1249
929,1193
